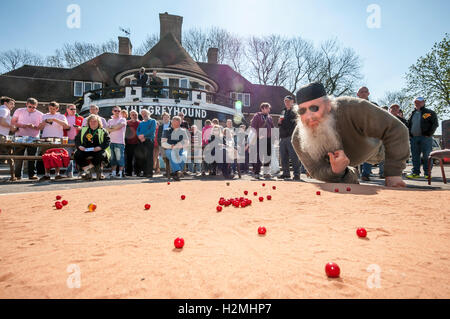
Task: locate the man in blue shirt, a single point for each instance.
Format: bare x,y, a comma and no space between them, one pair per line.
144,151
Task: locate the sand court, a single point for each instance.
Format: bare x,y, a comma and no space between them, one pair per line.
124,251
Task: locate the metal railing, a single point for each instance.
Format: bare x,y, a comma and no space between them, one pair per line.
161,91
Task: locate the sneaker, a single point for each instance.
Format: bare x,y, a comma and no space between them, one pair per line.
70,175
33,177
267,176
413,176
365,178
426,176
44,178
257,176
58,177
120,174
296,177
284,176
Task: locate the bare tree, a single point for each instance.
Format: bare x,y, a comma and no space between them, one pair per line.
235,54
402,98
74,54
230,46
56,60
148,44
15,58
339,68
195,42
269,59
302,62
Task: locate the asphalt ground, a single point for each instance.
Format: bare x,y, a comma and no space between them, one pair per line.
26,185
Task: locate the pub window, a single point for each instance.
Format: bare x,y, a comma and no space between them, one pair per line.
87,86
243,97
165,92
246,99
78,88
97,86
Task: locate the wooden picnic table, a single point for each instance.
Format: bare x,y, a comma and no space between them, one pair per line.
10,157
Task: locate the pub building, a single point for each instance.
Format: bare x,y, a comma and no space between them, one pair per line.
200,90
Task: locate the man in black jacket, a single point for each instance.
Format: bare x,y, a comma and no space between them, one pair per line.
141,77
286,124
422,124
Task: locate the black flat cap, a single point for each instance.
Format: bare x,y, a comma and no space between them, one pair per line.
310,92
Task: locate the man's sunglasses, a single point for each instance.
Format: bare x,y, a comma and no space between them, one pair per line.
312,108
32,107
116,111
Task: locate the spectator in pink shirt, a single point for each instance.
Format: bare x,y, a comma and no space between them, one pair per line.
94,109
53,125
116,128
27,121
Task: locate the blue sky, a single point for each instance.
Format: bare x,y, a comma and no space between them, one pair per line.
409,28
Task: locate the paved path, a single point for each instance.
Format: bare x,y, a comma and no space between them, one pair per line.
25,185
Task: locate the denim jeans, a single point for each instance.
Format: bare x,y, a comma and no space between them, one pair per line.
176,160
117,154
287,153
421,145
366,169
69,169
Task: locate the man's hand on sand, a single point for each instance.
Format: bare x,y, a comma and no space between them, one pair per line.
339,161
394,181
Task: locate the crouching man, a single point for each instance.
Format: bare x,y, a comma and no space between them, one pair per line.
335,134
175,141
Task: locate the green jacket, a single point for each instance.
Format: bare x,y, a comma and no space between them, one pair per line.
368,133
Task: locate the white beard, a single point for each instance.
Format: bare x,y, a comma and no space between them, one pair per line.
317,143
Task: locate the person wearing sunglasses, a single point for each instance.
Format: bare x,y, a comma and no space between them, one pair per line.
117,126
336,134
27,121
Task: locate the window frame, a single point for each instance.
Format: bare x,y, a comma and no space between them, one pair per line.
94,83
75,87
84,87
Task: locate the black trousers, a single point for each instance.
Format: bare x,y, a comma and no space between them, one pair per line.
259,162
144,157
31,151
81,158
131,164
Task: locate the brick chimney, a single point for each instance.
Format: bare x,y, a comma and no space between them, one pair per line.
170,24
125,46
213,55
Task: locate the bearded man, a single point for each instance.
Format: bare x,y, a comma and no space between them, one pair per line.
334,134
